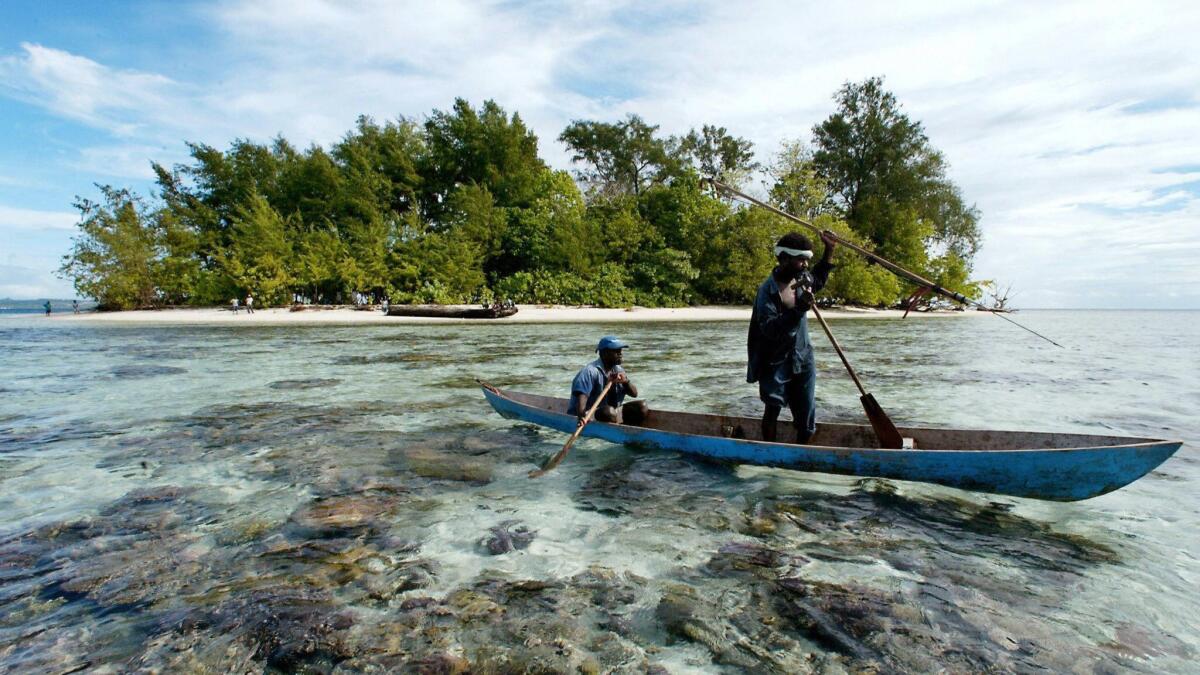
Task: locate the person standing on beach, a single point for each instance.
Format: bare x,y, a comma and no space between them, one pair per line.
590,381
249,303
233,304
778,345
75,306
47,306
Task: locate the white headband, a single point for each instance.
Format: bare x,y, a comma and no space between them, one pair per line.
794,252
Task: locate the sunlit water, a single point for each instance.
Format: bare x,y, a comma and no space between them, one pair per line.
339,499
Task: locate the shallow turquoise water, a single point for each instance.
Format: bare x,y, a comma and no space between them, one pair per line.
342,498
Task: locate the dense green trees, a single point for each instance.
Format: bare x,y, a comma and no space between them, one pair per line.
461,208
113,261
890,185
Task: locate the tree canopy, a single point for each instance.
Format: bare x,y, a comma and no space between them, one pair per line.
889,183
461,208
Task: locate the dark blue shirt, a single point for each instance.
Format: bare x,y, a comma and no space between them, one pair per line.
590,381
778,333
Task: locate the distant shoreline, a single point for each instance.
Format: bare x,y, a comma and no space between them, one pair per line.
527,314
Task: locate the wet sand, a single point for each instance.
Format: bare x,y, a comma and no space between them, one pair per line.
526,314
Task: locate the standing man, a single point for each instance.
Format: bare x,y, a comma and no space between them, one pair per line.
233,304
47,306
75,306
249,303
780,351
590,381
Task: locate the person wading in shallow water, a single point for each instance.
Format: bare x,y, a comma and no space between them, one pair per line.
779,349
590,381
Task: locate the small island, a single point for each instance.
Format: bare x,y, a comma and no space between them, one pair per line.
461,209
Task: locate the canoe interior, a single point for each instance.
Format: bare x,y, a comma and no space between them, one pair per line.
852,435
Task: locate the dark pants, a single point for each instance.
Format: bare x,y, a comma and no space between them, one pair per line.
779,387
632,413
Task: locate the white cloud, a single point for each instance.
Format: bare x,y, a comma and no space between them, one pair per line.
1059,120
30,219
25,281
82,89
126,161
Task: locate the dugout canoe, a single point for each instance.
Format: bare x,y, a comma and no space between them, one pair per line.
452,312
1037,465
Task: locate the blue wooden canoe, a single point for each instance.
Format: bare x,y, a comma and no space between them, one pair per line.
1054,466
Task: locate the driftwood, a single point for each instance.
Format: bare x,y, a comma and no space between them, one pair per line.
312,308
452,312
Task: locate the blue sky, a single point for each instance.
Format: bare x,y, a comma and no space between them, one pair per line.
1075,127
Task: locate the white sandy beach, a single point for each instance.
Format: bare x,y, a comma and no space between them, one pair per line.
526,314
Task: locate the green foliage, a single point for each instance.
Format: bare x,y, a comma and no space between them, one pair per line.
606,289
380,165
855,281
319,265
113,258
473,216
178,275
662,278
619,226
798,188
742,255
949,270
622,157
259,258
888,181
685,240
436,267
553,233
461,208
484,147
716,154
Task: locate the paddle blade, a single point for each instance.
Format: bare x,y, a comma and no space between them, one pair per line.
557,458
553,461
889,436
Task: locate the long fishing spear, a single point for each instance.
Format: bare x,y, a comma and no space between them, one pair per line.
875,257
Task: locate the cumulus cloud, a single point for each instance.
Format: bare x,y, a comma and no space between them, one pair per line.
1074,126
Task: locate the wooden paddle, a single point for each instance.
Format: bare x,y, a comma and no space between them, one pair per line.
561,454
889,436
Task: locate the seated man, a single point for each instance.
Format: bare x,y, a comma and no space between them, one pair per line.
590,381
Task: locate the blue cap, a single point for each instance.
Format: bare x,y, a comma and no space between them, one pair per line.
610,342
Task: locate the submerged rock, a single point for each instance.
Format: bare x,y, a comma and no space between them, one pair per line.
842,619
139,371
684,614
736,557
344,514
312,383
361,572
285,628
507,536
610,590
654,485
430,462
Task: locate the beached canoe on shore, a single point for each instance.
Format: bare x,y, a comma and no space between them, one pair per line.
452,312
1053,466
